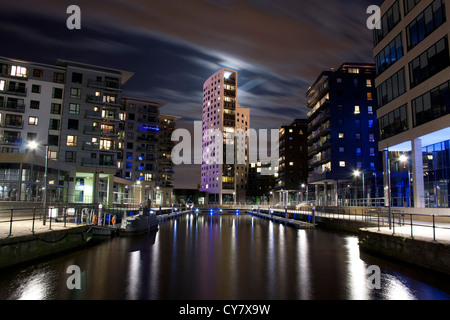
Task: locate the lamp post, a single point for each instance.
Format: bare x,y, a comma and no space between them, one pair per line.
357,173
376,187
33,145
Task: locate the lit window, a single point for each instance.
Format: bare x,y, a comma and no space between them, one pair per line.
75,93
71,141
369,96
74,108
97,93
18,71
341,135
291,163
342,164
33,121
106,145
2,85
341,149
371,137
357,110
370,110
369,83
353,70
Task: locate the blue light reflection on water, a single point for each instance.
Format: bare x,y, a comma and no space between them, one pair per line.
224,257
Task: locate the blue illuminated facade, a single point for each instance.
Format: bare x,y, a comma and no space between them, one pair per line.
343,135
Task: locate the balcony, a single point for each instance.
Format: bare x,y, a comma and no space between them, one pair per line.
98,131
95,146
11,140
14,124
93,162
116,102
12,106
147,139
149,110
229,93
20,91
98,115
108,85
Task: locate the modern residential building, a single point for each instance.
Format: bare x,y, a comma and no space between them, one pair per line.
140,157
166,171
92,128
102,147
411,52
292,176
342,144
31,98
224,174
260,187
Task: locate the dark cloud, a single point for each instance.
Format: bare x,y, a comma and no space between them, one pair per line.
279,47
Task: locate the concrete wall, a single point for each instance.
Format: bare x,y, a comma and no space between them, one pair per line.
427,254
26,248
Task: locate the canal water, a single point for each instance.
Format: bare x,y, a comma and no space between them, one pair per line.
227,257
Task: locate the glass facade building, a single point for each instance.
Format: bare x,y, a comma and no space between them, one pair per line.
412,56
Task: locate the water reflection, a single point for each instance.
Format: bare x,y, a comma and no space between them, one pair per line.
223,257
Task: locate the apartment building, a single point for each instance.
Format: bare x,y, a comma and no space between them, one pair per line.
31,98
292,175
343,135
224,170
166,171
92,128
260,187
101,147
411,53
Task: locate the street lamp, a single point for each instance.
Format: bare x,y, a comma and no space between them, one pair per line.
376,187
33,145
357,173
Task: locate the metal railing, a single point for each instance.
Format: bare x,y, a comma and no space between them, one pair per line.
28,218
397,221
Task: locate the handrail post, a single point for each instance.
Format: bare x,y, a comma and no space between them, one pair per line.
65,213
10,222
34,217
434,230
411,221
378,213
393,223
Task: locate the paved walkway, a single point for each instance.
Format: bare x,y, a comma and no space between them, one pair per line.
422,230
24,228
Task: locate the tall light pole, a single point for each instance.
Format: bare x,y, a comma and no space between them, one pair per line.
358,173
376,188
33,145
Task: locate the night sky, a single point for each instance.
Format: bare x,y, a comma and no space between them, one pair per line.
279,48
